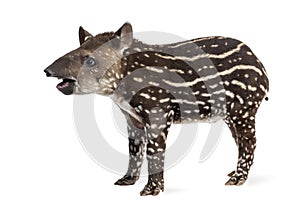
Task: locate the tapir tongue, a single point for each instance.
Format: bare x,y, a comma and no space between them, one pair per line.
66,86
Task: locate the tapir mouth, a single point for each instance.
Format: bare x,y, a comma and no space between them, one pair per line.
67,86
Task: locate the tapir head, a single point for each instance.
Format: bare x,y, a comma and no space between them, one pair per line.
84,70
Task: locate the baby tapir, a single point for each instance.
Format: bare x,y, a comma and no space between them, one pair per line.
204,79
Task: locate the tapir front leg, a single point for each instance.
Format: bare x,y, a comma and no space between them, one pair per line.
137,141
156,145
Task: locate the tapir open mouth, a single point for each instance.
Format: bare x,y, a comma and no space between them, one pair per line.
67,86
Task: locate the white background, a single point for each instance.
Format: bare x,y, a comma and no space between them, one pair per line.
41,159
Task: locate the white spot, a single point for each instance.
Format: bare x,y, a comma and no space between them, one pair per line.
153,98
211,101
251,88
137,49
229,93
150,149
187,111
240,99
153,126
139,80
153,83
118,76
145,95
245,115
153,111
214,46
146,55
232,105
249,53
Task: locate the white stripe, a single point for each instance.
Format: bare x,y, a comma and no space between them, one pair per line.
187,102
205,55
154,69
164,100
263,88
209,77
264,70
205,94
219,91
177,71
196,93
239,83
192,41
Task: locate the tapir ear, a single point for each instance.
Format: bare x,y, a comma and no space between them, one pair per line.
83,35
125,35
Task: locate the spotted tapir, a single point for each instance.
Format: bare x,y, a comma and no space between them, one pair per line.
200,80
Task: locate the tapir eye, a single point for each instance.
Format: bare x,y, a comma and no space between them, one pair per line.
90,62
